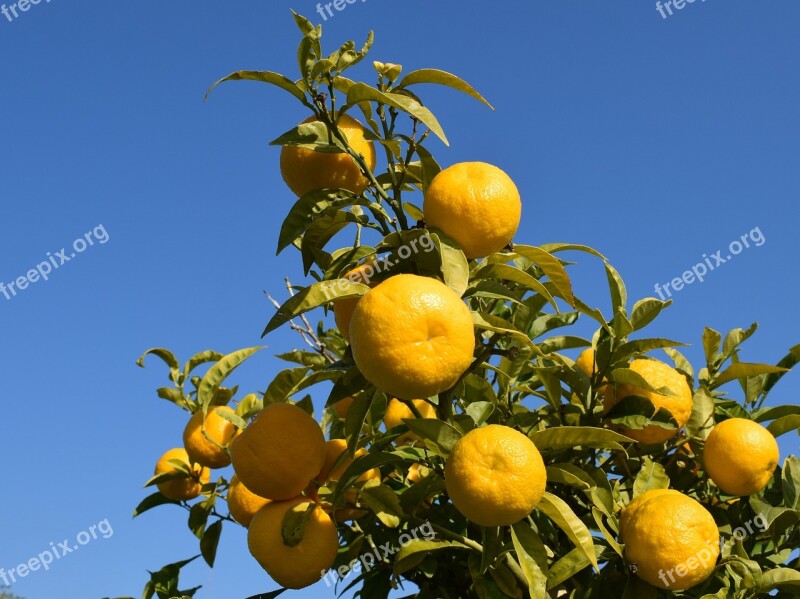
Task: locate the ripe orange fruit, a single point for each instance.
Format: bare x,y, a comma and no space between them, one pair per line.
343,309
585,362
658,375
416,473
476,204
336,462
199,448
342,407
671,538
243,503
397,411
299,566
495,476
305,170
181,489
280,452
740,456
412,336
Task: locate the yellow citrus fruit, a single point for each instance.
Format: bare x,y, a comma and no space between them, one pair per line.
740,456
397,411
495,475
243,503
343,309
336,462
476,204
585,362
301,565
658,375
412,336
342,407
416,473
199,448
280,452
671,538
305,170
181,489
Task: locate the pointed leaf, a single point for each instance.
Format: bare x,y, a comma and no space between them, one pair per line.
441,78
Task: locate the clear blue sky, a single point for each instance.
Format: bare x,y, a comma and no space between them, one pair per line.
654,140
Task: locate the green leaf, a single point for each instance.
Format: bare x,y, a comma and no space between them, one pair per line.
167,357
735,338
559,512
638,412
361,92
642,346
405,558
537,583
293,526
285,381
619,295
505,272
276,79
741,370
645,311
568,566
652,476
219,372
172,394
788,362
681,363
433,429
152,501
563,247
455,269
783,425
568,437
626,376
354,422
570,474
385,503
711,342
596,314
315,296
785,579
314,136
430,168
441,78
495,324
198,359
552,267
702,419
480,411
210,541
361,465
305,26
791,483
231,417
